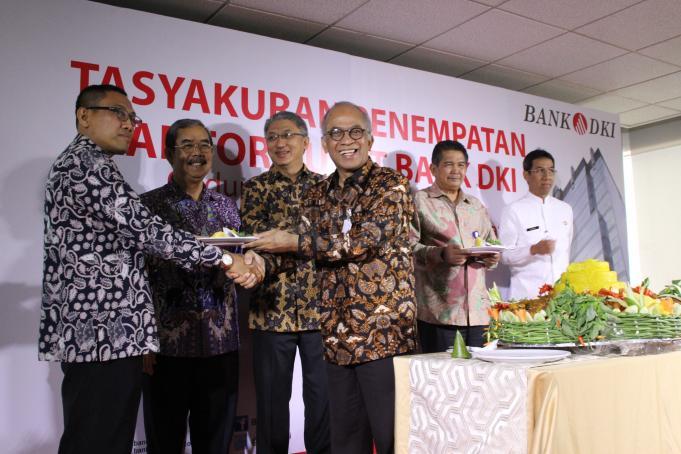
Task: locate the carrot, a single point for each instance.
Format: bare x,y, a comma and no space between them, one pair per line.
522,315
494,313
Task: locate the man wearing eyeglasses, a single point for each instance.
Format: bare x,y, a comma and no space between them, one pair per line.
355,226
194,377
538,227
284,313
97,314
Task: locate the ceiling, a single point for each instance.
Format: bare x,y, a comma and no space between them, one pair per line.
620,56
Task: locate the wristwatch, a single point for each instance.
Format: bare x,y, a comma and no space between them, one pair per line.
226,261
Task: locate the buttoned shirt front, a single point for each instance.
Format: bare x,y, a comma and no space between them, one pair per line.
358,235
96,302
196,311
287,301
449,295
526,222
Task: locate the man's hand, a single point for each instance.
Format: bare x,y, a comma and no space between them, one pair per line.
544,247
253,259
247,275
148,363
453,255
490,260
276,241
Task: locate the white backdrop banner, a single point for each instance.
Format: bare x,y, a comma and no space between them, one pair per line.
233,82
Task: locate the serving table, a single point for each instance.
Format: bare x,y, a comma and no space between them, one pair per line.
584,404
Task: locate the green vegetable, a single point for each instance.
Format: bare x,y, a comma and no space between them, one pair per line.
578,315
493,242
673,289
494,294
459,349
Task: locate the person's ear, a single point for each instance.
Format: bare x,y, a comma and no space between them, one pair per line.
82,117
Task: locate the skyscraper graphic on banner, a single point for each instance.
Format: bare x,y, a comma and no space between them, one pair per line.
599,214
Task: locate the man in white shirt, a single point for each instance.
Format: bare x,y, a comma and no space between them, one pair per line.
538,227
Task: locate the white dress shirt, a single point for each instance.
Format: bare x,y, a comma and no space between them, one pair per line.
526,222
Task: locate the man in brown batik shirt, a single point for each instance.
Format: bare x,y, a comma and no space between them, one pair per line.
284,313
355,225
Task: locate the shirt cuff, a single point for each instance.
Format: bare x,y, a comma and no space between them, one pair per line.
307,245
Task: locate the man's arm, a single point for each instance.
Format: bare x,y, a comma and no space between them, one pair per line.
103,193
429,255
423,254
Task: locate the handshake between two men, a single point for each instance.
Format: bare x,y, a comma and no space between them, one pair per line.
247,270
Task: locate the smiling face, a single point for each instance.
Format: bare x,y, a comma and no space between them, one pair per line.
286,152
103,127
347,153
451,171
540,177
191,164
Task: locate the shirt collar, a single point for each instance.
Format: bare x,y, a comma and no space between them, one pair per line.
434,191
83,140
537,199
358,178
181,194
275,173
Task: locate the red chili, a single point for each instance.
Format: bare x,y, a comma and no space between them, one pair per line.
545,289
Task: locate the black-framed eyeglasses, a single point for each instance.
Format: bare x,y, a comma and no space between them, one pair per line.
121,114
543,172
338,133
188,147
288,135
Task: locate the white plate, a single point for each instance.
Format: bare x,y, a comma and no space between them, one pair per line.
228,241
519,355
485,249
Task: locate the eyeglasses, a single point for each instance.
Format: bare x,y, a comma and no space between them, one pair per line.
338,133
201,146
543,172
121,114
288,135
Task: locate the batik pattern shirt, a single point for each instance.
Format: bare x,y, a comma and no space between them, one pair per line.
449,295
287,301
196,311
96,303
358,235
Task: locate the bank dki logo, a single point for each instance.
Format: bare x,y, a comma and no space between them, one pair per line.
577,122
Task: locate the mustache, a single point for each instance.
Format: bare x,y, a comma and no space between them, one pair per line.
196,160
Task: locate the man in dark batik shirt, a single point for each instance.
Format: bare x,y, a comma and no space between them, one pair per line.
355,225
97,314
284,313
195,374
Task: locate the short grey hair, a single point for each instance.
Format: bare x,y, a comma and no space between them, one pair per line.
365,116
286,115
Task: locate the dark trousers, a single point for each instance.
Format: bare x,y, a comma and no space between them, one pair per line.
438,338
273,360
362,407
100,401
201,390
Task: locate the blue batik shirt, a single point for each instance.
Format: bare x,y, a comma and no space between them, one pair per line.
196,311
96,301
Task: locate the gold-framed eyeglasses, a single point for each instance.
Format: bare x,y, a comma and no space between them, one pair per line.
188,147
338,133
120,113
288,135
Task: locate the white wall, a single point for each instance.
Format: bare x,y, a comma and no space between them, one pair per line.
655,158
